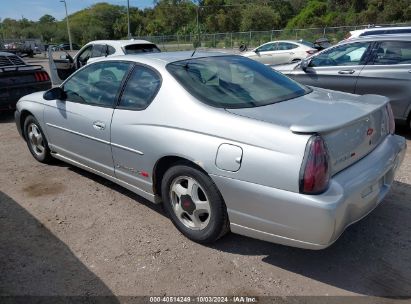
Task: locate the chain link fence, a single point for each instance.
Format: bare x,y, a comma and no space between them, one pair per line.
252,38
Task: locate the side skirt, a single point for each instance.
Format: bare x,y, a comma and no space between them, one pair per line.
149,196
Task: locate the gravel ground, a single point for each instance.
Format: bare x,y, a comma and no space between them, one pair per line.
64,231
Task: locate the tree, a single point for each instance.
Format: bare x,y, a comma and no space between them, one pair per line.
259,17
47,19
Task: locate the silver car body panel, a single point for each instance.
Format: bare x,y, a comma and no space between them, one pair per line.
262,196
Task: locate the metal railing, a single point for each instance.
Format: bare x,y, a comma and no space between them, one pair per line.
252,38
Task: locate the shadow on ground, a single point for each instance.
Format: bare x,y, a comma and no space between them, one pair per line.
102,181
35,262
372,257
403,131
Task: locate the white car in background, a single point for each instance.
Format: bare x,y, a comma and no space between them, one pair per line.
378,31
280,52
62,68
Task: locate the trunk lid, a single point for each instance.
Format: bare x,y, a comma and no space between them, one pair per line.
352,126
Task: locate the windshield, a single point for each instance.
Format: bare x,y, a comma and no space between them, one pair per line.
234,82
141,48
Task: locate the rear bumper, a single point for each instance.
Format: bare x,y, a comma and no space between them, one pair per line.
11,94
313,221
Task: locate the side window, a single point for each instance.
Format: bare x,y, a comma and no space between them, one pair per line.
84,56
343,55
98,50
268,47
111,50
283,46
96,84
140,90
393,52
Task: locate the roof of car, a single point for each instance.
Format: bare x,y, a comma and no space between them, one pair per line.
6,54
121,42
406,37
370,29
164,57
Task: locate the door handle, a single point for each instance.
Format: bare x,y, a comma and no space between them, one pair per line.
98,125
346,72
409,71
291,53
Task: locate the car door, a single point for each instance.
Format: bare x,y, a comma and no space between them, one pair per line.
337,68
284,53
264,53
61,69
389,74
131,145
78,127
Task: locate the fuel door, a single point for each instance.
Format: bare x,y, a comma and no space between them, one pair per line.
229,157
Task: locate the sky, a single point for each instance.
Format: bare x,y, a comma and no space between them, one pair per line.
34,9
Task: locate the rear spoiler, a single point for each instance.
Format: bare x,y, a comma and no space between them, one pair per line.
15,68
323,124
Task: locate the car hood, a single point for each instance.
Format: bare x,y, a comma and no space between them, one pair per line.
319,111
37,97
248,54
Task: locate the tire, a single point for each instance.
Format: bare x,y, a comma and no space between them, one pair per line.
188,209
36,140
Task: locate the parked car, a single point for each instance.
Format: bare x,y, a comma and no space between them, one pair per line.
280,52
223,141
66,47
65,66
373,31
374,65
18,78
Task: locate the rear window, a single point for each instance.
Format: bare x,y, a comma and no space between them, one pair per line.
141,48
234,82
307,43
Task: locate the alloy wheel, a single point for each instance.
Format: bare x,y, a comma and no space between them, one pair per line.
190,203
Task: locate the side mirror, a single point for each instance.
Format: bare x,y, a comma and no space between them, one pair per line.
55,93
305,64
63,56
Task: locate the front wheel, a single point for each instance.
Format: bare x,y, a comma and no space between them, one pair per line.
36,141
194,204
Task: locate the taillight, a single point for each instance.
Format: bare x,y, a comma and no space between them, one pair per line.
315,171
41,76
310,52
391,120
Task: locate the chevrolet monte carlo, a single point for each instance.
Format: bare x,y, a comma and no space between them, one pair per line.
224,142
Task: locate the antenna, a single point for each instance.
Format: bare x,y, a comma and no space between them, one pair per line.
194,52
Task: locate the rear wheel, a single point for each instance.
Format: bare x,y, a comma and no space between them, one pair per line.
194,204
36,141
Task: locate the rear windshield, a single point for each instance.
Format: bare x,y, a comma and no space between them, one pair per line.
234,82
307,43
141,48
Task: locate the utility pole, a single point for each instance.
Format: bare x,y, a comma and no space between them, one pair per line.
68,25
198,26
128,20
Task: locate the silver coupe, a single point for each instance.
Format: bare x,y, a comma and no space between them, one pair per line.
224,142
